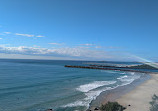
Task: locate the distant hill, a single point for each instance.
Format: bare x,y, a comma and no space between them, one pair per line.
143,66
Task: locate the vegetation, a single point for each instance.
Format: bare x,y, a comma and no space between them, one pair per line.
154,103
143,66
112,106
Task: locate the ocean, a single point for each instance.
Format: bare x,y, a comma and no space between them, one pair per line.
37,85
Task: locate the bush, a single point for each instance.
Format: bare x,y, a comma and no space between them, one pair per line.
154,103
112,106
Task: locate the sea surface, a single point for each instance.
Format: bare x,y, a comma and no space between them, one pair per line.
37,85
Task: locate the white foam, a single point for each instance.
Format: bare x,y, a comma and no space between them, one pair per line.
122,77
128,79
109,71
94,85
76,103
123,73
132,73
91,95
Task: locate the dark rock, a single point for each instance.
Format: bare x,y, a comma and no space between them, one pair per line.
129,105
96,108
49,110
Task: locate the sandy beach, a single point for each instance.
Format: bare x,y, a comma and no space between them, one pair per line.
139,98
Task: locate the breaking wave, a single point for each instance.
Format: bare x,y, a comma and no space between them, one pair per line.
94,85
127,79
94,89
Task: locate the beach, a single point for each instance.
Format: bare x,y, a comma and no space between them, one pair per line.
139,98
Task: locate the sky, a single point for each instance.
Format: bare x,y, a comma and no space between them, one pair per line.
115,30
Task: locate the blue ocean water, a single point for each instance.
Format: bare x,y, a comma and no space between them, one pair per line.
37,85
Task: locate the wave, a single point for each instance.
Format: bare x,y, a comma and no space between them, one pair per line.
109,71
91,93
123,73
94,85
127,79
132,73
122,77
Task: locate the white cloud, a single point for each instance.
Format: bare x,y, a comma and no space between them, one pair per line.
27,35
90,46
39,36
1,38
7,32
20,34
81,52
76,52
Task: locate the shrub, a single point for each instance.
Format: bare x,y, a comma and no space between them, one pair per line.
112,106
154,103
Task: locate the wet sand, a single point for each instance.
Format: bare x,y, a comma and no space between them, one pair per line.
139,98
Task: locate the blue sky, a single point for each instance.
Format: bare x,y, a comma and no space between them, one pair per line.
79,29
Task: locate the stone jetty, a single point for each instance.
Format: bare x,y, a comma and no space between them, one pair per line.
107,68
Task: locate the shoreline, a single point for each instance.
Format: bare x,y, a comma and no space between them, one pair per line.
139,98
119,92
